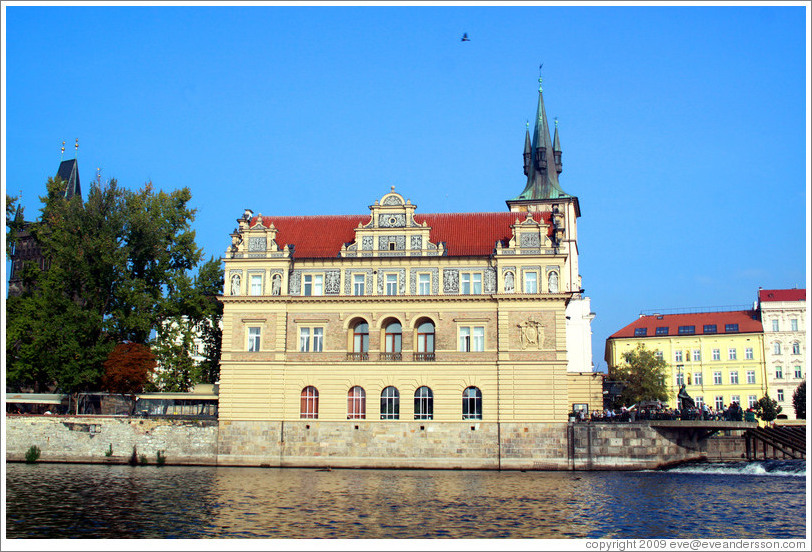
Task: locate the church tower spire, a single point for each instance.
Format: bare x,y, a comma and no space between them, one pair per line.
543,164
557,150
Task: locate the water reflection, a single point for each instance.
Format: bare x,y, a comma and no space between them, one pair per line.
56,501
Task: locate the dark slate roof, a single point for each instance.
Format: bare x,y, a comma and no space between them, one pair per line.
464,234
69,173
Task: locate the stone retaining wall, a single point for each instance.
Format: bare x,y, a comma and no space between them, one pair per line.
88,439
363,443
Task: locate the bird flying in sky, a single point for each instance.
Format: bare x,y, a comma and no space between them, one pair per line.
465,37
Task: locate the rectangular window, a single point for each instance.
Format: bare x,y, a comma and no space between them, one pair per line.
779,372
465,339
358,282
798,373
256,284
717,355
719,403
734,377
748,353
697,378
780,393
775,325
735,399
661,330
687,330
530,282
699,401
465,283
478,343
304,340
658,354
472,339
751,376
731,354
314,284
640,332
424,284
731,328
793,324
697,355
709,329
677,356
311,339
751,401
253,339
318,340
391,284
717,378
680,379
471,283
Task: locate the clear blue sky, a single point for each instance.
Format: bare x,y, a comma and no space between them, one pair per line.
683,129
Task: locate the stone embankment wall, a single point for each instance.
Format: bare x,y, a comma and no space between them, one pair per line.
363,443
89,439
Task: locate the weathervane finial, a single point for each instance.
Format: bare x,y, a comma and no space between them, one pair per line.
63,150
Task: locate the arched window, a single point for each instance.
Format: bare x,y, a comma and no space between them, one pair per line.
356,403
796,348
423,404
390,404
392,338
360,341
472,404
425,341
776,348
310,403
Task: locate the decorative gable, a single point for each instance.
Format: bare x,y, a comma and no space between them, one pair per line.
392,232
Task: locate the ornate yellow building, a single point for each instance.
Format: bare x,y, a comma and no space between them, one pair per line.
344,329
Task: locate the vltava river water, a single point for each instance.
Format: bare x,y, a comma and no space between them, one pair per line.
763,500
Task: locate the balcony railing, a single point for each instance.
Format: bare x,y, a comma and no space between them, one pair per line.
390,357
423,357
358,356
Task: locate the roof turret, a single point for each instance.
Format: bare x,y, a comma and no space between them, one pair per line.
542,183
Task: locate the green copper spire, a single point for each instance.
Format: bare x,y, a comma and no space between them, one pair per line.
543,166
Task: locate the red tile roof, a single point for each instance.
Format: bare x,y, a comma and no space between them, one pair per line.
782,295
699,320
464,234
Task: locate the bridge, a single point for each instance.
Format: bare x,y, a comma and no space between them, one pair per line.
697,430
780,441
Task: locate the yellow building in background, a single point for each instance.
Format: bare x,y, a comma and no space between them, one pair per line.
719,356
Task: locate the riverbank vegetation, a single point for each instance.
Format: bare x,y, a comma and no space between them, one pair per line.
120,267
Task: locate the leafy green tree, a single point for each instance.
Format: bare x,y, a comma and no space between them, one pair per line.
643,375
767,409
118,263
174,349
196,313
799,401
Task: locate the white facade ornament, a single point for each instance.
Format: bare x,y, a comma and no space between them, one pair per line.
552,282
